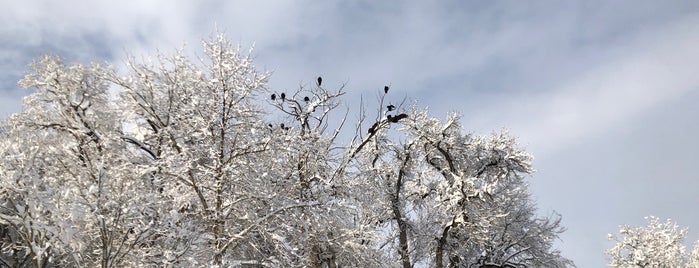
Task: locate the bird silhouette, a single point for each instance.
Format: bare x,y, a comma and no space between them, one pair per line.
385,89
281,126
283,96
306,99
372,129
391,107
320,80
397,118
270,125
274,96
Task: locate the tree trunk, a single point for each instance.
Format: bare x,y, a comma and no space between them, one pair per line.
403,239
332,262
402,227
439,253
315,260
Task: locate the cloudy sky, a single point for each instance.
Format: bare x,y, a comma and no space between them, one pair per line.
603,93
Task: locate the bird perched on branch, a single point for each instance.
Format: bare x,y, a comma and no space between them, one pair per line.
385,89
274,96
306,99
372,129
320,80
390,107
283,96
397,118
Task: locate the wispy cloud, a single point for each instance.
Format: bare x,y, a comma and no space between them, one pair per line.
650,68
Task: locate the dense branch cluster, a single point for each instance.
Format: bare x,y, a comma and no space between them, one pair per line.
172,163
659,244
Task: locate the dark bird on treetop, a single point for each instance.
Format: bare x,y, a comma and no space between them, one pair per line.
283,96
306,99
385,89
274,96
270,125
282,126
391,107
372,129
320,80
396,118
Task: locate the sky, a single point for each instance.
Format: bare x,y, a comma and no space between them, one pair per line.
603,93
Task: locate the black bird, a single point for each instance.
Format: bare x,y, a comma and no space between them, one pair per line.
372,129
270,125
274,96
397,118
281,126
306,99
389,117
283,96
320,80
391,107
385,89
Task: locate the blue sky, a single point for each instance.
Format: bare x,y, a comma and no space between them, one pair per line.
603,93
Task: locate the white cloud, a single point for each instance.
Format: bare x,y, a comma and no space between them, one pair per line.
653,67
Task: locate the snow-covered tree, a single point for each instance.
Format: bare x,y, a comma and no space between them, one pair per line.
67,178
453,199
659,244
173,162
